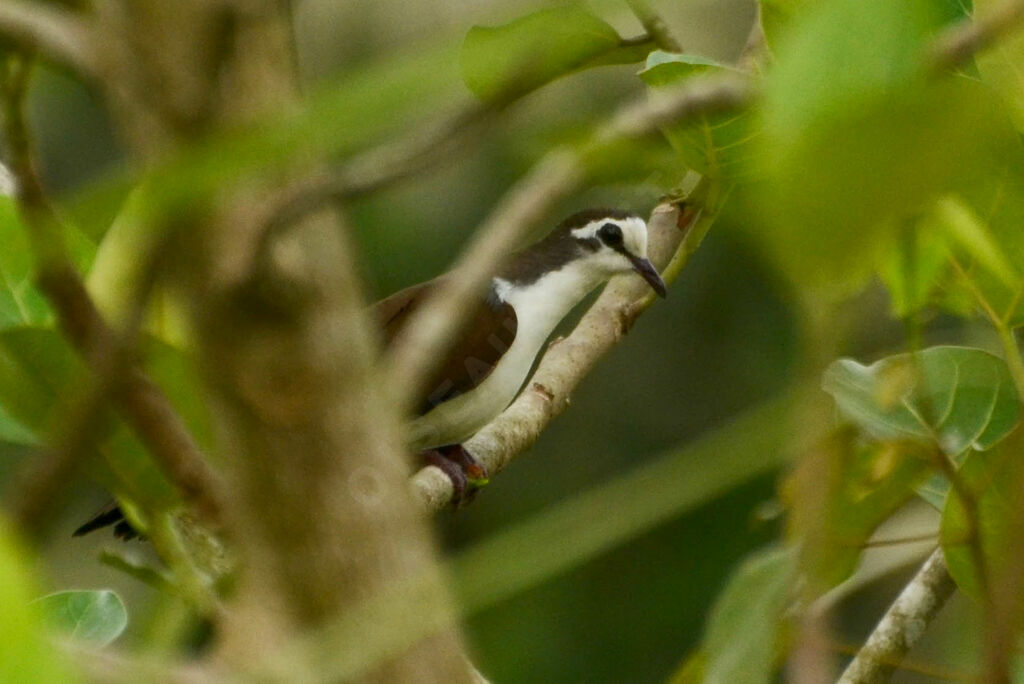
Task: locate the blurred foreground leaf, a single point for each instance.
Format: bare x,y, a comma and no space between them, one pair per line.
745,625
504,61
20,302
857,136
98,616
25,654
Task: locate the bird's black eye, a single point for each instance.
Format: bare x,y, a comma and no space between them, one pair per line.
610,234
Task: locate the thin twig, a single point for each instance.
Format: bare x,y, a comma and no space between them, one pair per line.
654,25
970,36
903,624
59,34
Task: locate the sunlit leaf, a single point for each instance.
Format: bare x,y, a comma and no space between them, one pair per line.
847,153
25,653
692,669
532,50
98,617
742,635
713,145
956,397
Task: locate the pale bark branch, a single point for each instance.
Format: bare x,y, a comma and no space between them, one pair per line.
903,623
432,328
58,34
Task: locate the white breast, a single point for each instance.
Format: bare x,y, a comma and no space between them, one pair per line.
539,308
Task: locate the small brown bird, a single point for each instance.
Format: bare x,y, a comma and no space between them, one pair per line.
490,362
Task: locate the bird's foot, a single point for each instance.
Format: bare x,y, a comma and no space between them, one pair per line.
465,472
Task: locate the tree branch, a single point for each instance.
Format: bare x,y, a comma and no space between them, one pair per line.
970,36
60,35
655,25
903,624
432,328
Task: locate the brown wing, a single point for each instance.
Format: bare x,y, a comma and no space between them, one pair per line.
474,355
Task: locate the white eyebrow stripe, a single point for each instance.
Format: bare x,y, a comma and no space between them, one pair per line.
590,229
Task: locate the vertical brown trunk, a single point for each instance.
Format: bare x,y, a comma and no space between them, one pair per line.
320,513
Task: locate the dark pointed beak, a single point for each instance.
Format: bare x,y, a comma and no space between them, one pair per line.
647,271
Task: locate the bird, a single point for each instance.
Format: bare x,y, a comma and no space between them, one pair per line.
490,361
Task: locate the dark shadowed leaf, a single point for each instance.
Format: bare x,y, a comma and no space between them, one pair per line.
527,53
741,640
956,397
98,617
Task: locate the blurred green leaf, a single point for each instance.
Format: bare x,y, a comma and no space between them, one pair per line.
955,397
692,669
990,476
37,369
1002,66
97,616
39,374
25,654
751,444
364,106
20,302
966,228
744,626
855,484
848,152
716,145
914,266
777,16
499,62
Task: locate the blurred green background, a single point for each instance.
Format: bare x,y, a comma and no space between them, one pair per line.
726,338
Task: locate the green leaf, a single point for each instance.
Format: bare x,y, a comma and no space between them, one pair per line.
37,370
742,635
966,228
1002,65
716,145
847,153
525,54
914,267
20,302
25,654
98,617
956,397
991,477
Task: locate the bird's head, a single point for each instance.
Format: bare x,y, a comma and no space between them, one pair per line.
615,242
